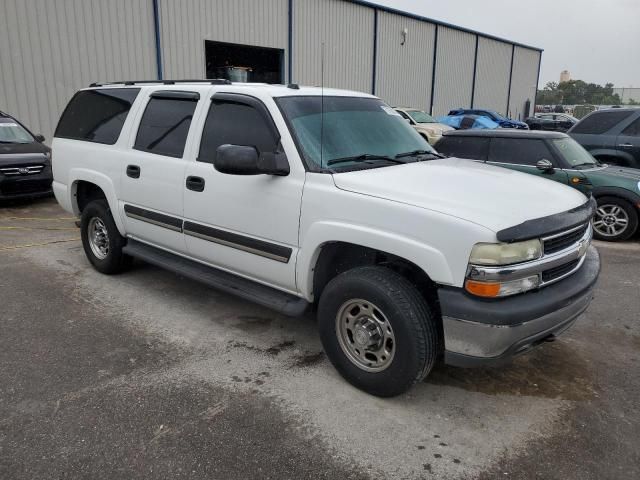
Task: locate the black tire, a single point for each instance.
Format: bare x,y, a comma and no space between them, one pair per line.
631,213
416,337
115,260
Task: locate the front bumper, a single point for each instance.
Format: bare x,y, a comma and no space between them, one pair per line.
481,332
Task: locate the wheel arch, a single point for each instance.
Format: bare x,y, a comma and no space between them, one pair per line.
619,192
89,185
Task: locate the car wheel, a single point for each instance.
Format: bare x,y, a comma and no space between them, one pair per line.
615,219
101,240
377,330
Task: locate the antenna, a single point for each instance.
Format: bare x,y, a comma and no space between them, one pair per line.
321,103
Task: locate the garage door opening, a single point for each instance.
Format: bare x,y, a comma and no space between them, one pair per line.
243,63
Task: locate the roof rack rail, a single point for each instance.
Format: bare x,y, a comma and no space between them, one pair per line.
210,81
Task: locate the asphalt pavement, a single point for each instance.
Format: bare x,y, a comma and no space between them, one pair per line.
150,375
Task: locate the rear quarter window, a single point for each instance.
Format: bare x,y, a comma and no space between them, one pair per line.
600,122
474,148
96,115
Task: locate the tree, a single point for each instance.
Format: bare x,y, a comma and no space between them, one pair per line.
632,102
577,92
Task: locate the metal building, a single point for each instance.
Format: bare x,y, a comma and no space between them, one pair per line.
51,49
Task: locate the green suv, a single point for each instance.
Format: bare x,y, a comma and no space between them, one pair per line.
558,157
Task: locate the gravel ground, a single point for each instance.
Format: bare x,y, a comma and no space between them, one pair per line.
150,375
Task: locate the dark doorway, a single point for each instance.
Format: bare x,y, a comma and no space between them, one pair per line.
243,63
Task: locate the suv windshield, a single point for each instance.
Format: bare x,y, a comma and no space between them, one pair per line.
11,132
360,131
573,153
420,117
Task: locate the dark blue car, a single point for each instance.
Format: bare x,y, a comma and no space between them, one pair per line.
501,120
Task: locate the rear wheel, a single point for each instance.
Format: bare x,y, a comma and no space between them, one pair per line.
616,219
377,330
101,240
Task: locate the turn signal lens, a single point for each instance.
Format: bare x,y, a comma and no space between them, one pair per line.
482,289
502,289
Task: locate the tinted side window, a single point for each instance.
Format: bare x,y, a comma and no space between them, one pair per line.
165,125
474,148
633,130
235,124
600,122
518,151
96,115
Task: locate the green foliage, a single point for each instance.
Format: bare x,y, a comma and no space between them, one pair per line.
632,102
577,92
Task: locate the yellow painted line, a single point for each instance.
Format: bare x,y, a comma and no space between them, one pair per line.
38,228
30,245
37,218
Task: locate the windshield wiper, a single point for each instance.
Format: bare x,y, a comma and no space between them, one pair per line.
363,157
585,164
416,153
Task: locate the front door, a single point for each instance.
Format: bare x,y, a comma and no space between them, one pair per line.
153,170
246,224
629,142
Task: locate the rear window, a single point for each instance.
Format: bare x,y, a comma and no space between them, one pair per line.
474,148
96,115
600,122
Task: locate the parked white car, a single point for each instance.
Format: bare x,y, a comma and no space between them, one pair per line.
297,200
425,124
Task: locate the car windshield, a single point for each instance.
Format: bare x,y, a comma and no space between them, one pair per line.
11,132
347,131
420,117
574,154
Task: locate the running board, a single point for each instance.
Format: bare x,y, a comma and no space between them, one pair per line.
269,297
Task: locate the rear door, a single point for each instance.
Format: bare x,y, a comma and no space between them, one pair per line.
594,132
629,141
523,154
153,169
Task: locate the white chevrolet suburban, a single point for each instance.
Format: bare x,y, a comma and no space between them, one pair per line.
300,198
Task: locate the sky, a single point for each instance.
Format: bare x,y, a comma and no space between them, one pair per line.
596,40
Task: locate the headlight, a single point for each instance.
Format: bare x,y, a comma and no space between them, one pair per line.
505,253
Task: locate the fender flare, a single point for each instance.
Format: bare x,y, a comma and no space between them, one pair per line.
611,152
429,259
619,192
106,185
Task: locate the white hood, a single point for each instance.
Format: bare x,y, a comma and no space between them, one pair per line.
493,197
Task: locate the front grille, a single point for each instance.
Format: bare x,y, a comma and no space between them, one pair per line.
557,272
28,186
22,170
555,244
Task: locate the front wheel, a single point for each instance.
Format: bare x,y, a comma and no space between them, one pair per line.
101,240
377,330
616,219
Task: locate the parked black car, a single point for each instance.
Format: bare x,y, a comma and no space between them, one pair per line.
612,136
554,122
25,162
556,156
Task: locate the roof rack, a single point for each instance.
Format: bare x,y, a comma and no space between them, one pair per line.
210,81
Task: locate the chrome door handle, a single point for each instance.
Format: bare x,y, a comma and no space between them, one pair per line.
625,145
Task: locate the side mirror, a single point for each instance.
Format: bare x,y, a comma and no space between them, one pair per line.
245,160
544,165
408,121
39,138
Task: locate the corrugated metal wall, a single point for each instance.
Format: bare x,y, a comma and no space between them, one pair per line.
403,72
524,80
48,50
492,75
454,70
346,29
185,25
